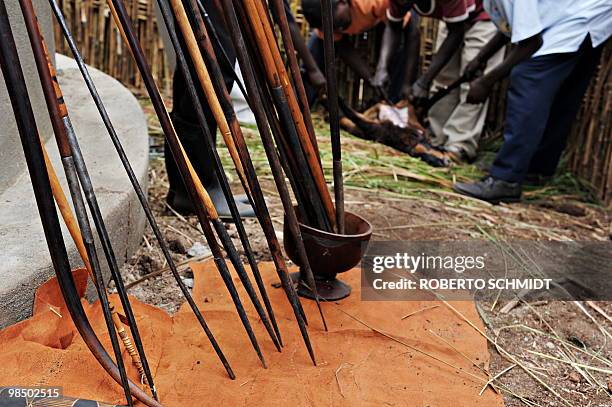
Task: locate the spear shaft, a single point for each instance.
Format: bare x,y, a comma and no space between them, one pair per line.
272,155
58,114
296,75
254,8
206,83
332,106
256,196
277,75
77,236
204,206
135,184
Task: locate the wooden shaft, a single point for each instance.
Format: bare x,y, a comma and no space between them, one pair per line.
294,67
204,207
75,232
256,11
205,81
266,137
271,153
16,86
66,211
58,114
332,106
226,241
250,182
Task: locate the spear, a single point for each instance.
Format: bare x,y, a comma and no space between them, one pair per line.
206,83
204,206
296,74
312,206
269,60
264,216
61,125
277,75
77,237
327,12
266,137
30,140
134,180
251,183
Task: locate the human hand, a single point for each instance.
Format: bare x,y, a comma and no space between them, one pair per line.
380,78
419,92
317,80
474,69
479,91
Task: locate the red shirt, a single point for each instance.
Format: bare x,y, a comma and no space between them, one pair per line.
451,11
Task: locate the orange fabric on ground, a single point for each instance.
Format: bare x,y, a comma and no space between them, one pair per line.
356,365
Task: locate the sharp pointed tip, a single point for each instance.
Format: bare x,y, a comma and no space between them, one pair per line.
263,362
231,374
312,357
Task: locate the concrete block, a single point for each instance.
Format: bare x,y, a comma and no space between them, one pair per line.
24,258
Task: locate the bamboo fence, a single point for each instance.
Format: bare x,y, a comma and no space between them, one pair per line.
100,42
589,152
590,146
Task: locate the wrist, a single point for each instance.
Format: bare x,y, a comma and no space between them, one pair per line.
423,82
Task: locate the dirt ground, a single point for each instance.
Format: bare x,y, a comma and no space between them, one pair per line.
574,334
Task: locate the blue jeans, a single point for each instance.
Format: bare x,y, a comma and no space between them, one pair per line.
543,99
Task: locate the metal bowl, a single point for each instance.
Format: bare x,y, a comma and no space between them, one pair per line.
331,253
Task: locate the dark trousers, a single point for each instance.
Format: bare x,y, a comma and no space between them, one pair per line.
397,73
543,99
184,115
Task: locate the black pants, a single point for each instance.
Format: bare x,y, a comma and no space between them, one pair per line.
184,114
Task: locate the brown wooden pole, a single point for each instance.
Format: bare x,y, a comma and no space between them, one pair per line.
264,35
296,75
183,21
205,209
77,237
30,139
134,181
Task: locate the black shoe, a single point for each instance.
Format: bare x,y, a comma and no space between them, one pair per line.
491,190
537,180
244,208
181,203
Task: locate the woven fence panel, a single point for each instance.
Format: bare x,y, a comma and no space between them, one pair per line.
100,42
590,146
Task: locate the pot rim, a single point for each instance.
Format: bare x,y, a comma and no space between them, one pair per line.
337,236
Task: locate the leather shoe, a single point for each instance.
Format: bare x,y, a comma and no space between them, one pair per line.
491,190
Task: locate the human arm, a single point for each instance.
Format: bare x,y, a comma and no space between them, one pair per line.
450,45
412,35
352,58
315,76
390,41
481,87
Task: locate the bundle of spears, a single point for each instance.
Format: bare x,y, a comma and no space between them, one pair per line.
277,98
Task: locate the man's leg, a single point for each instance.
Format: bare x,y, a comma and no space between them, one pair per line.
533,86
191,135
441,111
464,125
564,110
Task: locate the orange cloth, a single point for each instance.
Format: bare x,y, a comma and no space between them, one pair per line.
356,365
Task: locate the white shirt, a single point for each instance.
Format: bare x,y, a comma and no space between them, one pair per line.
564,24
